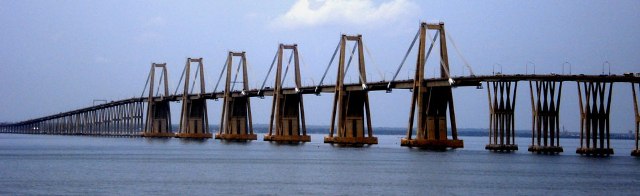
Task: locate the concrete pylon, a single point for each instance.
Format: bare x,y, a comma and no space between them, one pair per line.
158,121
194,122
287,109
351,107
235,122
432,101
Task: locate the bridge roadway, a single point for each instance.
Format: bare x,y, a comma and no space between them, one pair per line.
371,86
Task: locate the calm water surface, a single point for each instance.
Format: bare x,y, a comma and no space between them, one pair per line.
81,165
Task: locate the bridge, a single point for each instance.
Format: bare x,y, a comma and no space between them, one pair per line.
432,100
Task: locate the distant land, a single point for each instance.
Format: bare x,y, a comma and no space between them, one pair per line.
319,129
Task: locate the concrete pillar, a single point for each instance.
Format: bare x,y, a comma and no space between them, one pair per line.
287,110
545,111
595,107
351,108
236,121
501,115
194,122
432,102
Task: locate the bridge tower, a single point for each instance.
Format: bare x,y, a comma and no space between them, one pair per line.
636,150
594,117
501,115
351,107
158,122
545,110
287,109
193,118
235,122
432,100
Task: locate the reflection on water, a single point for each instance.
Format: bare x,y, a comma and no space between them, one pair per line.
191,141
228,142
64,165
287,143
161,140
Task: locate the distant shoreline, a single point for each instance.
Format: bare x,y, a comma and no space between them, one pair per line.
318,129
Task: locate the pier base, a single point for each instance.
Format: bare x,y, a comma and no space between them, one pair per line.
194,135
432,144
501,147
158,135
351,141
594,151
545,149
287,138
635,153
237,137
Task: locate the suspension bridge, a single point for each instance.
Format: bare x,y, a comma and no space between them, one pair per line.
431,107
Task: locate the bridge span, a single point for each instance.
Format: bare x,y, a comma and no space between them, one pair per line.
431,104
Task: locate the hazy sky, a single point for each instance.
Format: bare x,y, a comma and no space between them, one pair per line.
57,56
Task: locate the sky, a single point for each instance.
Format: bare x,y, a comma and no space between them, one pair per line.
57,56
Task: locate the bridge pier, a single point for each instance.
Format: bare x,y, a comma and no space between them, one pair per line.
59,126
432,101
545,110
501,116
287,110
594,118
158,122
351,107
113,121
72,121
116,120
69,122
636,152
104,122
96,122
193,118
79,125
136,118
109,118
235,122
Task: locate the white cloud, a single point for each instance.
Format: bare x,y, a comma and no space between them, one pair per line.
305,13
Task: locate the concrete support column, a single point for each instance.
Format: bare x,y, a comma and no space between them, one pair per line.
432,102
595,107
545,111
351,108
287,110
236,120
158,121
636,150
194,122
501,115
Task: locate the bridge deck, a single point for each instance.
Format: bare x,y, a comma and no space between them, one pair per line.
371,86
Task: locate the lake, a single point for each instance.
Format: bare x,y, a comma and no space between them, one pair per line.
84,165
